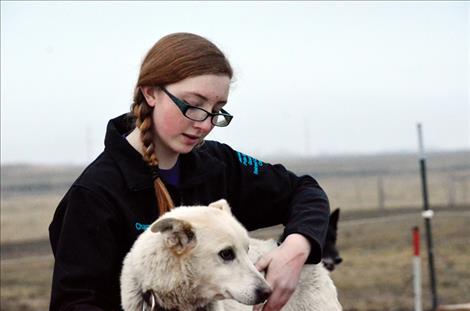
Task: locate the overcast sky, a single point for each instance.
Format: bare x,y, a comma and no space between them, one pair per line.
311,78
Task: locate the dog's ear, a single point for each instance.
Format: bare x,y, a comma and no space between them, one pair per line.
334,217
222,205
178,234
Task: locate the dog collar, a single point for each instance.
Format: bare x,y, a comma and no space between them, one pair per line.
150,303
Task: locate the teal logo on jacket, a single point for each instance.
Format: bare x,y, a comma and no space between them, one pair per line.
141,227
249,162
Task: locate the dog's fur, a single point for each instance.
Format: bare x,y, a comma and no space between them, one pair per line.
331,257
315,290
193,257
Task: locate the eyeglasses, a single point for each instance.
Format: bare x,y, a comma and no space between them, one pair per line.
221,118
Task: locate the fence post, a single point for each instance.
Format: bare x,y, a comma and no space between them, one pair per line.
427,215
417,270
380,192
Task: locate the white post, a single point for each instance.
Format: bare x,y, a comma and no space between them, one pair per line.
417,270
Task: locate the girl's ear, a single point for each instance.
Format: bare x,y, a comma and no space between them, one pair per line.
149,94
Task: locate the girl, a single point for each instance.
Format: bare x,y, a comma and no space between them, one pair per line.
155,158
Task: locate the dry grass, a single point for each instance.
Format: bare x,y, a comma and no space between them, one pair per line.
27,218
26,283
377,271
29,196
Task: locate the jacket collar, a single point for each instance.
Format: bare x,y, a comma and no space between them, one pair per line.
199,166
196,166
133,167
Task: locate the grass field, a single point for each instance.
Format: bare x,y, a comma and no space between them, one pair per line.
375,275
377,271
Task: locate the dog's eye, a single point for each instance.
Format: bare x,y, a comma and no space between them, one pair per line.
227,254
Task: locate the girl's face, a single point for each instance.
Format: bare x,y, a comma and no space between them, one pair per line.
175,133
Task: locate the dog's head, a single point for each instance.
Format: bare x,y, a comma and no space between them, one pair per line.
211,246
331,257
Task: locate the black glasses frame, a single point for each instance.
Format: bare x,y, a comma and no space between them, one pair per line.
185,107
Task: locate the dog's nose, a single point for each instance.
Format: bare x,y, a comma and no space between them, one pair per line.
329,266
262,293
338,260
328,263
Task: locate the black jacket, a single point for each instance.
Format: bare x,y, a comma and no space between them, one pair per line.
113,201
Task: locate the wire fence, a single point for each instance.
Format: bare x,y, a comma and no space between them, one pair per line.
388,190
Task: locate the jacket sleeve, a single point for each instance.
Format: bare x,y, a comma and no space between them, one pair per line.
84,236
263,195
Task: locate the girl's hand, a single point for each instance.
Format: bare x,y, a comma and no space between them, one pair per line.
283,266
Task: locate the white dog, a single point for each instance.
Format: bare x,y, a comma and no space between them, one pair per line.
191,258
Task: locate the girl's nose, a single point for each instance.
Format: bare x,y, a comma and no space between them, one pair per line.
205,126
